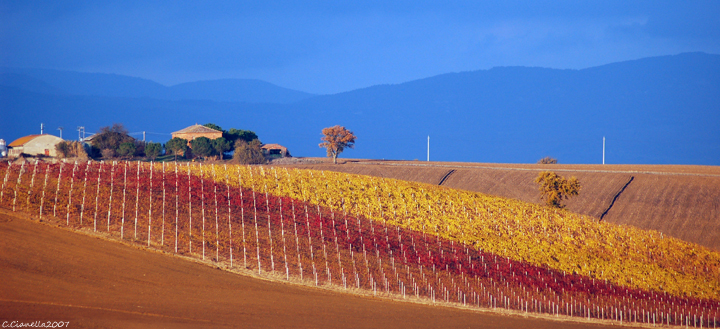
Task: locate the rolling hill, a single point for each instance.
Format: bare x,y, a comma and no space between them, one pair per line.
95,283
378,236
680,201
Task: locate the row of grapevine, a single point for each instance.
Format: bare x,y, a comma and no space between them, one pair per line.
272,221
525,232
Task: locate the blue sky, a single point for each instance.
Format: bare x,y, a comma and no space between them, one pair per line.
334,46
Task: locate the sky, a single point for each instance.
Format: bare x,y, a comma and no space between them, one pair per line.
329,47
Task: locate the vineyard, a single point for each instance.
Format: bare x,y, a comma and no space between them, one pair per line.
384,236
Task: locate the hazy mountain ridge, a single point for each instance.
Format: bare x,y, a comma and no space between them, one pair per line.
160,117
113,85
227,90
655,110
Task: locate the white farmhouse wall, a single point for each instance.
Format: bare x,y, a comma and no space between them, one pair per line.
41,145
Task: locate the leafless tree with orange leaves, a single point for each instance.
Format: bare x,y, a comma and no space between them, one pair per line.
336,139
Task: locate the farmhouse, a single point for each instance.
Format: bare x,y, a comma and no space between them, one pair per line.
196,131
275,150
34,145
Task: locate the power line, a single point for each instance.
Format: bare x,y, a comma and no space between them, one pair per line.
149,132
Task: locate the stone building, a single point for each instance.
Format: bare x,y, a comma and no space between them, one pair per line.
196,131
34,145
275,151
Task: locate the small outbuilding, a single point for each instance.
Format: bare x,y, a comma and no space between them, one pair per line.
196,131
275,151
35,145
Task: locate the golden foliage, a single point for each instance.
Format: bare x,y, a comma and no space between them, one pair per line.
336,139
553,188
522,231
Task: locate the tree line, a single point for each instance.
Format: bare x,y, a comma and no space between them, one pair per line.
114,142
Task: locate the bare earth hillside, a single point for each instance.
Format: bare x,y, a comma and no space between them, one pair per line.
53,274
679,200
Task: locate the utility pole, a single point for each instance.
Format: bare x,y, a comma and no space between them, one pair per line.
603,149
428,155
61,129
143,137
42,128
81,133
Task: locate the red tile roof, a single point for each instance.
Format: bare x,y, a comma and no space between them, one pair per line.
197,129
273,147
23,140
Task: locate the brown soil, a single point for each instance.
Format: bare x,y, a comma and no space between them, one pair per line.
682,201
53,274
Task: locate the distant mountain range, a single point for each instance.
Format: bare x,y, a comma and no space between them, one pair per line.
659,110
61,83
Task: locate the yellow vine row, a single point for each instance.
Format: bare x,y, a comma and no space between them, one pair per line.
541,236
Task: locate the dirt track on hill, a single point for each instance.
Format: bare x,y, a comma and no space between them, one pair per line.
679,200
53,274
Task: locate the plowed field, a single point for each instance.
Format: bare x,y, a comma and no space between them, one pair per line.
678,200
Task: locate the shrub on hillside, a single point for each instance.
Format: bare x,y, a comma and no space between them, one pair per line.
111,137
153,150
107,154
68,149
63,149
553,188
202,147
139,148
249,153
177,146
127,150
547,160
220,146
